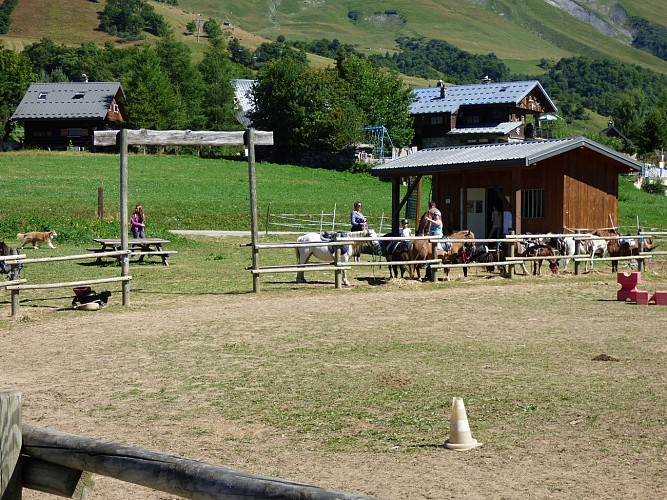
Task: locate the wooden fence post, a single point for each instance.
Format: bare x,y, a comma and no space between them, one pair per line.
10,445
510,267
434,255
339,272
640,248
577,252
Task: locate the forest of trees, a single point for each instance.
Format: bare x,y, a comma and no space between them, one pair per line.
166,89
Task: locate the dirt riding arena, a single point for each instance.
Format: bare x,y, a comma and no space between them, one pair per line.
351,389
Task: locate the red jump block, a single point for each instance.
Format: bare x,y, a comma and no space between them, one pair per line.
628,282
660,298
641,297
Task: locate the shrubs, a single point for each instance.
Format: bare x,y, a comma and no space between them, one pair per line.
653,186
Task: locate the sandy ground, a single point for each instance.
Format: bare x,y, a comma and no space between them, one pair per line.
71,367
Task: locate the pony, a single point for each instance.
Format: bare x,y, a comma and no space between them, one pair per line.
4,250
566,246
624,247
421,249
533,248
327,253
480,253
458,252
395,251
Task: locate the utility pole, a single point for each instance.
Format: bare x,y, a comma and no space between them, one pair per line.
199,20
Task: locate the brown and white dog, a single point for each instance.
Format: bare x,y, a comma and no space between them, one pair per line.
37,238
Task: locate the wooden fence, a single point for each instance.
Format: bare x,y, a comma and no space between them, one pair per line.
319,222
17,285
63,464
508,262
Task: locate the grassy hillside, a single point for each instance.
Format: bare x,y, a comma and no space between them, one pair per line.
521,33
186,192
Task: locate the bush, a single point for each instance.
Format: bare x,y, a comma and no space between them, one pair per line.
653,187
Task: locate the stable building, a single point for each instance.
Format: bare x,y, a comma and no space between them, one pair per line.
542,186
65,115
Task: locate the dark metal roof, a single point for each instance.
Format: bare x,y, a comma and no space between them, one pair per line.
69,100
429,101
489,156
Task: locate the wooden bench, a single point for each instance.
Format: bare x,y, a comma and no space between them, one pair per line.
138,247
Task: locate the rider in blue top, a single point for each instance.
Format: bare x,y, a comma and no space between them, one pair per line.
436,223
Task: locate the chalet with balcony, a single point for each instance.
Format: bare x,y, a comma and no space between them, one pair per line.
65,115
484,113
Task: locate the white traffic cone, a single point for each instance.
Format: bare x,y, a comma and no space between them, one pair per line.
460,438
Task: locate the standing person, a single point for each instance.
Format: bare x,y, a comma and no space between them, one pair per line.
357,219
434,217
406,231
138,222
496,224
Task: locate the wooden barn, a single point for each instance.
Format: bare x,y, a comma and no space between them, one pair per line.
64,115
541,186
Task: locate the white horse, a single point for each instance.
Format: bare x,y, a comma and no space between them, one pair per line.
320,250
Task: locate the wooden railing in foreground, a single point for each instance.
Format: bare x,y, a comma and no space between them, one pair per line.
16,286
61,464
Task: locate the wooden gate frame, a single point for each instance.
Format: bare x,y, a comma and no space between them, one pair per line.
144,137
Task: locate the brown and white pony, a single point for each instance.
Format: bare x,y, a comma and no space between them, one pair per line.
457,250
535,249
624,247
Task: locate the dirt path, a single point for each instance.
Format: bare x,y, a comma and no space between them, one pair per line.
151,376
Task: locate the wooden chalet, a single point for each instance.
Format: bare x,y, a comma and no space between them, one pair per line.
541,186
483,113
64,115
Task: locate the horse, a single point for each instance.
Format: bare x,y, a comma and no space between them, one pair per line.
624,247
456,252
4,250
420,249
532,248
481,253
327,253
395,251
566,246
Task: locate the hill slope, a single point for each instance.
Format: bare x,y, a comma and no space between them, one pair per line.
521,33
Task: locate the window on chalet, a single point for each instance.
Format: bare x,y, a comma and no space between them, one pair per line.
532,203
436,120
73,132
79,95
42,96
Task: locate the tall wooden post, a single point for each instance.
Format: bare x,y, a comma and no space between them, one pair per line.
434,255
100,203
254,231
510,267
10,446
338,273
577,252
640,243
125,260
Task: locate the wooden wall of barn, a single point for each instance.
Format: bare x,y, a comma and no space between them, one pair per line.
580,191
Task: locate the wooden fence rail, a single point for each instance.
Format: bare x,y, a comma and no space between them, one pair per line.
436,264
15,286
66,461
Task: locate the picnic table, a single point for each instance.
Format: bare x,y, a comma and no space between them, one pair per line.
139,247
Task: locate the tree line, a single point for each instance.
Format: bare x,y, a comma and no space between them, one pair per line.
322,108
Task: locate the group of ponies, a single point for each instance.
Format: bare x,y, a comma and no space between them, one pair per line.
454,249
